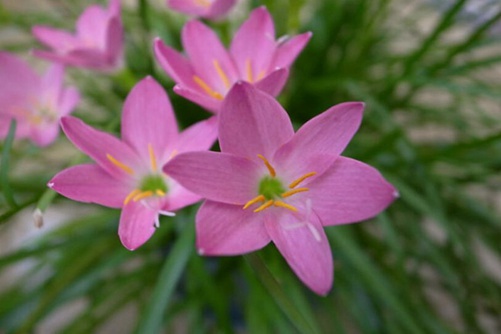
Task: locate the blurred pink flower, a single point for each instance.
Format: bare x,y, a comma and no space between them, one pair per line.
271,184
128,172
97,44
210,70
210,9
35,102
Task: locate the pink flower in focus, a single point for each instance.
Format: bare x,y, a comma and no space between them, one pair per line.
210,70
210,9
35,102
271,184
97,43
128,172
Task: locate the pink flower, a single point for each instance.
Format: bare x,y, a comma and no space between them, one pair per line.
210,9
35,102
128,172
97,44
210,71
271,184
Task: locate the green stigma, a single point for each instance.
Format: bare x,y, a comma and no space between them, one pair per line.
271,188
153,183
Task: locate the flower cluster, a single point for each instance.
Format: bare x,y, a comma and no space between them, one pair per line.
267,183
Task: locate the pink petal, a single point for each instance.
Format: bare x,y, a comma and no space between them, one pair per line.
216,176
114,8
98,145
56,39
207,55
68,100
175,64
219,8
225,229
252,122
350,191
17,79
304,245
148,120
86,58
45,134
52,84
178,197
136,224
114,41
201,99
274,82
320,141
254,45
288,51
198,137
90,184
92,26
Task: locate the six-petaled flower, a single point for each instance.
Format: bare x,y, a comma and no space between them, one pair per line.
128,173
35,102
97,43
271,184
210,70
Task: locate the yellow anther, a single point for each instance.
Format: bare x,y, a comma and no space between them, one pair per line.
293,191
160,192
301,179
119,164
264,206
285,205
206,88
221,74
268,165
153,160
248,70
256,199
131,195
143,195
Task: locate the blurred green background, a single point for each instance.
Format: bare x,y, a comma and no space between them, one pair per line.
430,75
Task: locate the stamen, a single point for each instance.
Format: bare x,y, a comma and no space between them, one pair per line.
285,205
301,179
268,165
248,70
153,160
293,191
221,74
206,88
160,192
130,195
256,199
143,195
264,206
119,164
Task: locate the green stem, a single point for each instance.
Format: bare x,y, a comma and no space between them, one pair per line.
4,172
280,296
154,314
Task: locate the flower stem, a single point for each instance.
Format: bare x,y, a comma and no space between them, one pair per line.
281,298
4,169
174,265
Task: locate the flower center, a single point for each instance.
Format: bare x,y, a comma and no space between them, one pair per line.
270,188
272,192
151,185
